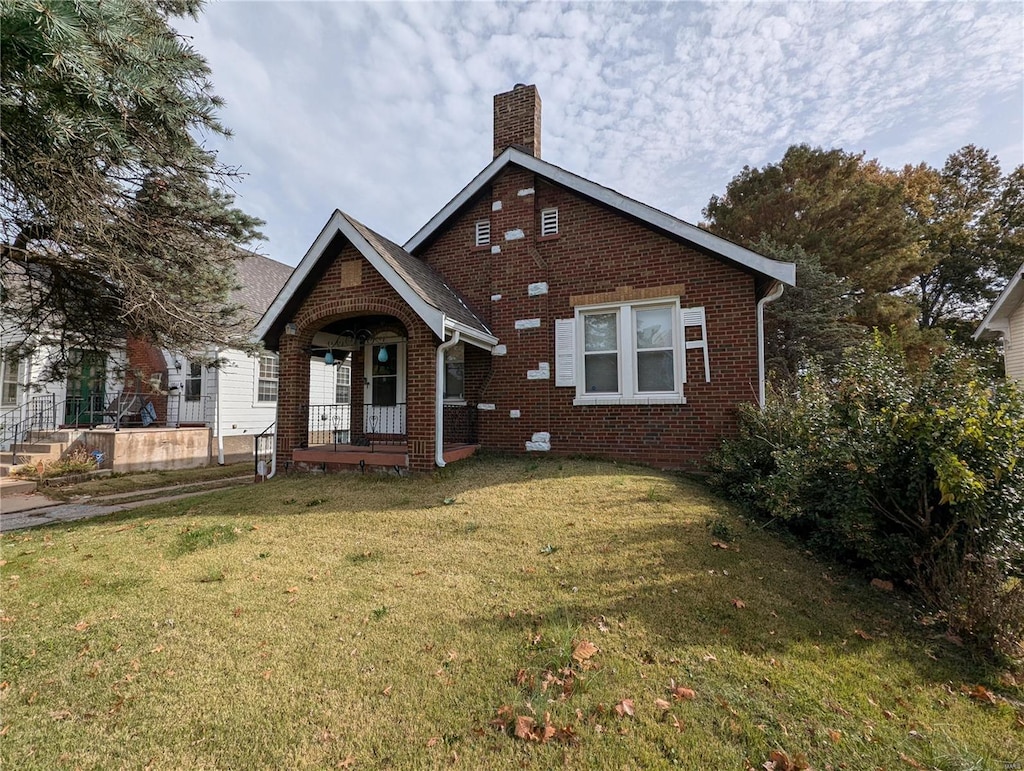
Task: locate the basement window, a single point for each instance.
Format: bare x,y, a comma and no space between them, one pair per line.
483,233
549,222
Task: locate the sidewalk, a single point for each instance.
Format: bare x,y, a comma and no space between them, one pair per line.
18,512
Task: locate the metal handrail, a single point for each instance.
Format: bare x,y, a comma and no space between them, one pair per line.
261,439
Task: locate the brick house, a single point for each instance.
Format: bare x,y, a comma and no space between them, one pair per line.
536,312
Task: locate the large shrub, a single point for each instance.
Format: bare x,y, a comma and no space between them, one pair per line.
912,474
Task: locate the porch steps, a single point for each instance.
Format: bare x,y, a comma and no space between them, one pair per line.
31,454
348,456
12,486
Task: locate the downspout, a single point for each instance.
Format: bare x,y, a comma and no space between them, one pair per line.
217,415
772,296
439,400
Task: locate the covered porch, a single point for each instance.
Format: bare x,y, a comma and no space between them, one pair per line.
360,305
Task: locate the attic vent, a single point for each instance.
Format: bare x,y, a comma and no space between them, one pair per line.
483,233
549,222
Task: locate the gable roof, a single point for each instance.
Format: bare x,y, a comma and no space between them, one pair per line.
439,306
703,240
998,317
259,280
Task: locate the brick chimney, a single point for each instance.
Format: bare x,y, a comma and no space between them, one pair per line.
517,120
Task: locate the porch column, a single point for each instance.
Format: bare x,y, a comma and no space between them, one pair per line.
292,395
420,397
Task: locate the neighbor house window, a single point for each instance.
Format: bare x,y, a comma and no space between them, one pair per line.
343,385
483,233
193,381
627,353
455,373
266,389
12,370
549,222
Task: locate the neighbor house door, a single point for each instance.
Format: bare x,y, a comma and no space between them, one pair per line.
87,388
384,393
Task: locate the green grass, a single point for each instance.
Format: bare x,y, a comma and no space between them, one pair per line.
310,622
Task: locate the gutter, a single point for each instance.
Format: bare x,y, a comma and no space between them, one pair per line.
772,296
439,399
217,412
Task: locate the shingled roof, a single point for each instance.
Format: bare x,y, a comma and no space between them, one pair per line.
259,280
440,306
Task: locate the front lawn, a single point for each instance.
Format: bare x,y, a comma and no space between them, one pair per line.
611,616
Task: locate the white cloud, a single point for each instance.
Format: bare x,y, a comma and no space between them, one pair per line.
384,109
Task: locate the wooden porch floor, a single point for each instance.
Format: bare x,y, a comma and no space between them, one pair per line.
385,455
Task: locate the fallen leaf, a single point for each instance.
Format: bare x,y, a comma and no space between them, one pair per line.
157,649
624,707
720,545
676,724
684,694
60,714
739,603
662,704
348,762
710,657
911,762
584,650
236,612
81,626
291,590
862,634
835,736
386,691
433,740
980,692
524,727
878,583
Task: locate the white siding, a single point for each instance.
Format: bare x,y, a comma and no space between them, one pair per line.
236,381
321,382
1013,344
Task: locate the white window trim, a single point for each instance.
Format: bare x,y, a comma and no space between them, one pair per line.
482,233
549,218
628,393
256,401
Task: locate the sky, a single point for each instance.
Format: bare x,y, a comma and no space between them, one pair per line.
383,109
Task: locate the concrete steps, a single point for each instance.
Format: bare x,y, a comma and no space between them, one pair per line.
12,486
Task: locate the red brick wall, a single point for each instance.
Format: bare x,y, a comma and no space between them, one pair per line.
334,298
517,120
597,250
145,361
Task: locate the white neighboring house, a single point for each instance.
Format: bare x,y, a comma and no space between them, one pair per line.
237,398
1006,319
236,401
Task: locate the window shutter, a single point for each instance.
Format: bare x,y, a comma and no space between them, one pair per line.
565,352
695,317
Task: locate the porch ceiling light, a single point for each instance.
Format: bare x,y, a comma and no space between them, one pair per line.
382,354
329,358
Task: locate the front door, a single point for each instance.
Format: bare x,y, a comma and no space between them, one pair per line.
87,388
384,393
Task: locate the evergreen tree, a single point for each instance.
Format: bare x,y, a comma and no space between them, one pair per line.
115,219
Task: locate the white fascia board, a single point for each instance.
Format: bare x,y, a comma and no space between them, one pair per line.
431,316
993,321
298,276
780,271
475,185
470,335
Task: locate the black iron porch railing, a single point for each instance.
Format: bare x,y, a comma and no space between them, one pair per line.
264,452
460,425
384,424
330,424
38,416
